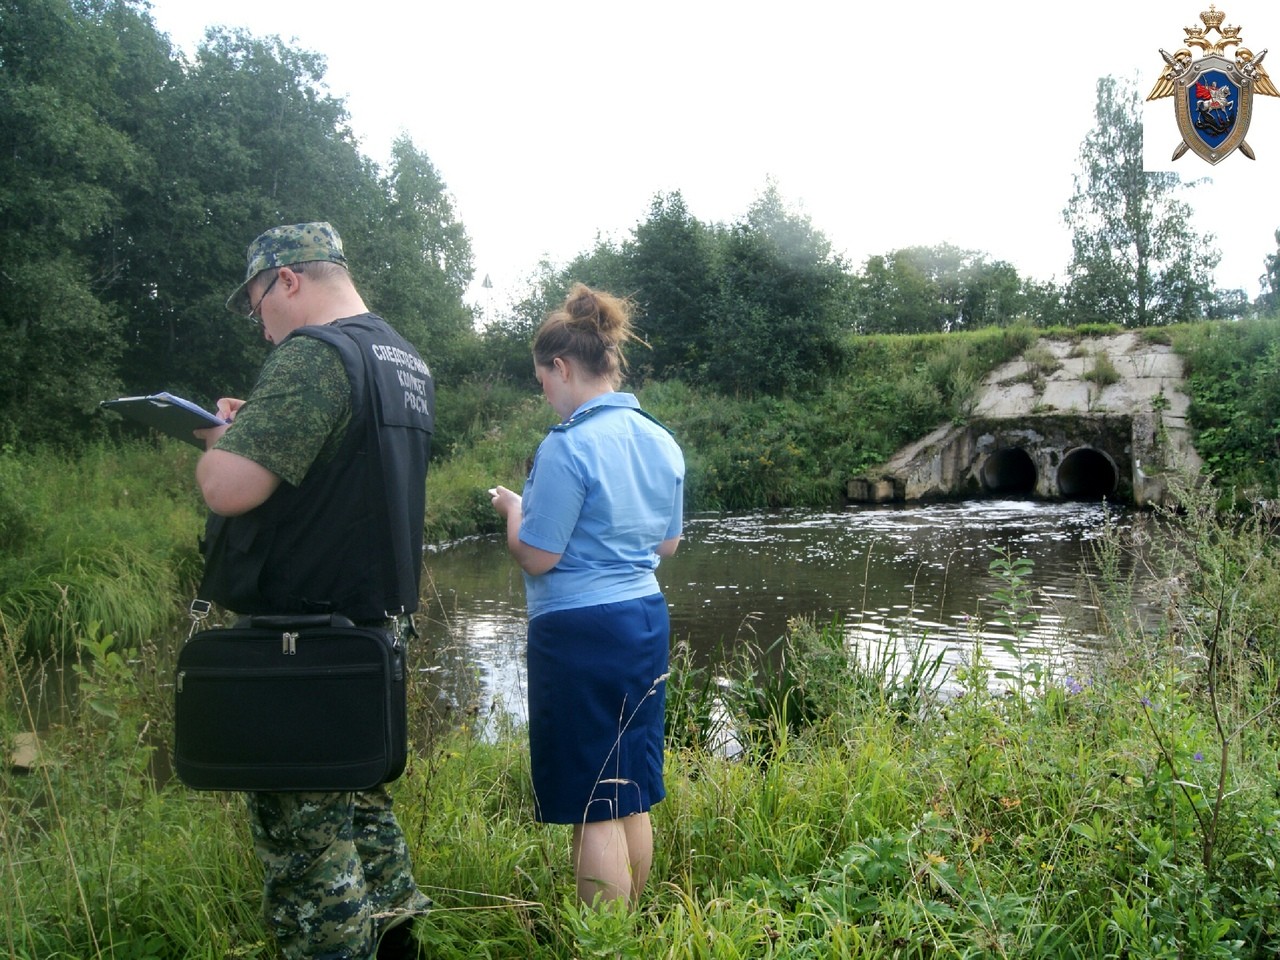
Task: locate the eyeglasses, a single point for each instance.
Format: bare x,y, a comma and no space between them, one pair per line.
254,317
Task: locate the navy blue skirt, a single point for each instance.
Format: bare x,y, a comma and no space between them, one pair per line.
597,695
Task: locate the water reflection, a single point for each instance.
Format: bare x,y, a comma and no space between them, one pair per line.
900,575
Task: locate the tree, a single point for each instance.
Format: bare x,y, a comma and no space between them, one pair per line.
671,261
782,305
419,259
70,77
1269,300
243,139
1228,305
1044,303
895,295
936,289
993,294
131,183
1136,260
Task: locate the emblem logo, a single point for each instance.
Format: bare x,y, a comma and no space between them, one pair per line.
1213,96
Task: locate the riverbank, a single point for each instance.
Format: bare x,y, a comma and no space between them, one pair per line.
108,533
1127,812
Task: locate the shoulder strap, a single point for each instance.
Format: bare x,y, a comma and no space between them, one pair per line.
592,411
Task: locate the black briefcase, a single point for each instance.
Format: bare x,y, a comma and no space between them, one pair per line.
290,703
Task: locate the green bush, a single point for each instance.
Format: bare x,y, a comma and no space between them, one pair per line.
1116,806
1103,373
1233,376
109,536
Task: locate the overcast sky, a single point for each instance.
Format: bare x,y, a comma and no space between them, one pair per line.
889,125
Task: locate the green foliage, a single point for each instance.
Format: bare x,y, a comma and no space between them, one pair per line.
133,180
607,930
1015,613
499,451
107,537
245,138
1136,259
1269,299
1041,363
781,309
1103,373
469,410
70,79
672,267
936,289
100,859
1233,376
419,264
52,605
754,308
870,815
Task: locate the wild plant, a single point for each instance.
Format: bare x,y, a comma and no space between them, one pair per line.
1195,696
1015,612
816,674
605,929
1220,574
898,673
104,861
1103,373
118,587
108,537
1041,362
695,716
955,374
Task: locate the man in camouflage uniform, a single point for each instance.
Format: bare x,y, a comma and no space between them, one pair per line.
338,879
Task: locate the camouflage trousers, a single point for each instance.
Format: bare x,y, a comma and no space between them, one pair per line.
336,871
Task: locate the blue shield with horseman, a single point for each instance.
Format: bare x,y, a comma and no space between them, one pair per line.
1213,96
1214,107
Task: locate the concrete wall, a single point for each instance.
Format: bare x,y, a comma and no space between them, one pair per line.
1046,429
1050,457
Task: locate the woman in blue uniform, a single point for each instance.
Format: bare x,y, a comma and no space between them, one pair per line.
601,506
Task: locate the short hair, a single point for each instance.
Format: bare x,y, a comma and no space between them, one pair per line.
323,270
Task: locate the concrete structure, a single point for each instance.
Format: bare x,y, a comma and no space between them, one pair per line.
1098,417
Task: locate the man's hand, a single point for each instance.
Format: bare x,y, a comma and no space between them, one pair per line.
227,407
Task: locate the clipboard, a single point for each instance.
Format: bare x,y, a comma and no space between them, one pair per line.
171,415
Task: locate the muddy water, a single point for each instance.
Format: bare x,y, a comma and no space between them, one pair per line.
898,575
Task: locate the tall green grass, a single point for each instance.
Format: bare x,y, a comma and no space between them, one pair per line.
1233,374
1126,809
107,536
1119,806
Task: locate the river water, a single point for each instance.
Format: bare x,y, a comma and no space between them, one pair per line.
902,575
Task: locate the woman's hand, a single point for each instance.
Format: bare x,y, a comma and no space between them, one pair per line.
504,500
533,561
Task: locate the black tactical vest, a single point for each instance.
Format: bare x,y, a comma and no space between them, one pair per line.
349,539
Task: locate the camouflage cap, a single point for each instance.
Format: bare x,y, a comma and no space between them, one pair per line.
285,245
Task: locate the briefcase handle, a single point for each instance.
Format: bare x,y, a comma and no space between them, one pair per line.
294,621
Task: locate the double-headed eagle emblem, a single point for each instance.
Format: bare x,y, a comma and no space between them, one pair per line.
1213,96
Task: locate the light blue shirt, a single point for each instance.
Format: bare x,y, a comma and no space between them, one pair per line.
606,488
